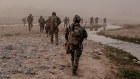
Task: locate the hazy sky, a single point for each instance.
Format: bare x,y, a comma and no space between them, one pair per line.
86,8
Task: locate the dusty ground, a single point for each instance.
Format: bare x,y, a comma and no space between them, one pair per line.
29,55
130,32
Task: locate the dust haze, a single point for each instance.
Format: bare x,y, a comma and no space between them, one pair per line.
126,10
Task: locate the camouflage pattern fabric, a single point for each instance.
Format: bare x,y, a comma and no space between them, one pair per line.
54,23
30,22
74,45
41,23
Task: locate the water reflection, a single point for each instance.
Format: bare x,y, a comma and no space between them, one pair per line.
134,49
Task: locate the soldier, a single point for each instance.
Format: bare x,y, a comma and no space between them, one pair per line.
68,20
104,24
54,23
30,21
24,21
65,21
75,36
85,23
47,27
104,21
41,22
91,21
96,20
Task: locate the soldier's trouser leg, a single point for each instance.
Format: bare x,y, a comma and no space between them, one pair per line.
46,30
51,34
72,58
29,26
77,55
43,27
56,38
40,28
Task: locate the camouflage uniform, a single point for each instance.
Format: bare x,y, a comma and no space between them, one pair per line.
24,21
74,44
96,20
104,21
104,24
54,23
30,21
91,21
41,23
68,20
47,27
65,22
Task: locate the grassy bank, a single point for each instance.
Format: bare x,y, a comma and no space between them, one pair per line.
128,68
93,27
123,38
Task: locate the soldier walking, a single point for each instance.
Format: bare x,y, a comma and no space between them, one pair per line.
65,21
41,22
75,36
104,23
96,20
54,23
30,21
68,20
91,21
24,21
47,27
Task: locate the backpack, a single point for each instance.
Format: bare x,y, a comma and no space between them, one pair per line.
58,20
75,36
41,20
30,18
54,21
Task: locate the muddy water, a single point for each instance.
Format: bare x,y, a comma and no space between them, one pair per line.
134,49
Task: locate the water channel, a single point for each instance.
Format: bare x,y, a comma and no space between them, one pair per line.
134,49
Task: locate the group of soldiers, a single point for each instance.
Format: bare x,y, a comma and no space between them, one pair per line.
50,25
29,20
96,21
74,35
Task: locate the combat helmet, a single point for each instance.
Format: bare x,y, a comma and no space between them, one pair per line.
77,19
53,13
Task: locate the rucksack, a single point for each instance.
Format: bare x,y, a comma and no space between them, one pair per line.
54,21
58,20
30,18
75,36
41,20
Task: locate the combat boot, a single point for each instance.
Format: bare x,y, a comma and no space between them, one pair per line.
74,73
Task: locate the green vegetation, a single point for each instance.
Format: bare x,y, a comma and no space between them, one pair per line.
124,38
119,56
128,73
127,67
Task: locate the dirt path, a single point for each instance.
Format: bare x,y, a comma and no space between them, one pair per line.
29,55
